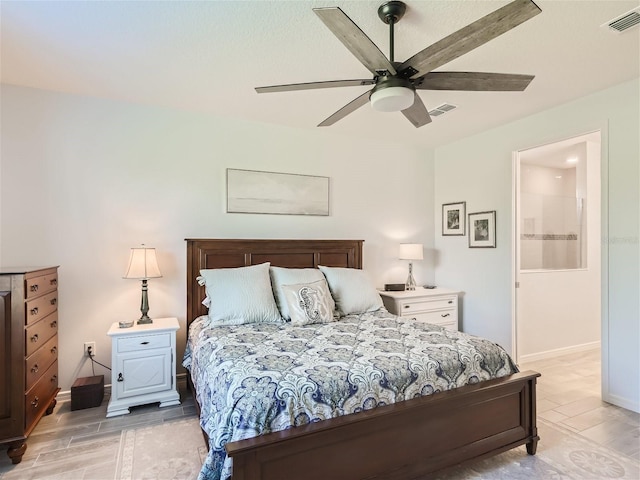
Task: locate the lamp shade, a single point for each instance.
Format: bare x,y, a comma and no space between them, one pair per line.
143,264
392,99
411,251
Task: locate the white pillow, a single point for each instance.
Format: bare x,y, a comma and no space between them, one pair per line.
240,295
352,290
292,276
309,302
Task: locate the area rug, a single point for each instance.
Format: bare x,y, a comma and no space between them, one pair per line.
168,451
561,455
176,450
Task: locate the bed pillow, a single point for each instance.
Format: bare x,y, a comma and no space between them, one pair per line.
240,295
309,302
352,290
292,276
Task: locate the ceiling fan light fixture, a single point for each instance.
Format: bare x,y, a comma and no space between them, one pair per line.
392,99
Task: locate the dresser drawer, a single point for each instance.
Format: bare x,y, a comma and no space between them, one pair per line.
446,318
41,307
38,285
38,398
140,343
408,307
36,365
38,333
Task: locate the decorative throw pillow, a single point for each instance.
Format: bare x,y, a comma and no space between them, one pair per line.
352,290
309,302
292,276
240,295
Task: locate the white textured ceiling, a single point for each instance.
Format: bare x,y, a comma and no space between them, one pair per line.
209,56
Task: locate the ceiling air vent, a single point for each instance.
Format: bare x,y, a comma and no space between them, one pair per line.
625,21
441,109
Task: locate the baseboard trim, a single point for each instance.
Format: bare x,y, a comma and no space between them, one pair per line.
621,402
558,352
65,395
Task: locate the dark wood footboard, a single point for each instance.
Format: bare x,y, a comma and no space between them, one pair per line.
407,440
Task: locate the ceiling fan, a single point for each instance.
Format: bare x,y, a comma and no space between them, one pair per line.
395,83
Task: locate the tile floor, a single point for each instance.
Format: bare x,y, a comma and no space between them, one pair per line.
83,444
569,394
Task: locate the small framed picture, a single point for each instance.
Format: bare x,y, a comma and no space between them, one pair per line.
453,218
482,230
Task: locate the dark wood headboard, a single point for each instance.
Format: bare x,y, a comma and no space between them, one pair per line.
215,253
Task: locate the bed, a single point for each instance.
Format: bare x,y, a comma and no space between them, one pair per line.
413,438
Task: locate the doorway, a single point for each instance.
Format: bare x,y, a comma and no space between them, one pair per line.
557,244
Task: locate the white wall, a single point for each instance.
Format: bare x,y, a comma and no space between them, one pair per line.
85,179
478,169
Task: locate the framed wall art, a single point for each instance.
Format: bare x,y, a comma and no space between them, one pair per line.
482,230
251,191
453,218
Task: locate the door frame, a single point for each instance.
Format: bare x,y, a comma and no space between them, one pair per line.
603,128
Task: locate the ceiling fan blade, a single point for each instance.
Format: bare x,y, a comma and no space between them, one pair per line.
355,39
417,113
350,107
313,85
473,81
472,36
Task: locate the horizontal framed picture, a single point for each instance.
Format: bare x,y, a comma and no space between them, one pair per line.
251,191
482,230
453,218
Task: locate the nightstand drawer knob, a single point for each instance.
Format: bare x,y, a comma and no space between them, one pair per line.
445,315
120,379
450,301
144,343
407,306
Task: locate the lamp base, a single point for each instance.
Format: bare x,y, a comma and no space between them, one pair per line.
144,320
411,282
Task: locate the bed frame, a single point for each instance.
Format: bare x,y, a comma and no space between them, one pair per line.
406,440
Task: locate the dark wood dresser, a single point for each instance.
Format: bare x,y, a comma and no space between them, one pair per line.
28,352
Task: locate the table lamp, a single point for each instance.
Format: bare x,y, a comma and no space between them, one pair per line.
143,266
411,251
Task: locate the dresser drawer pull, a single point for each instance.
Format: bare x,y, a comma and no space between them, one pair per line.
120,379
34,288
54,378
450,301
34,402
34,338
54,350
54,324
144,343
35,368
54,301
53,282
34,311
407,306
445,315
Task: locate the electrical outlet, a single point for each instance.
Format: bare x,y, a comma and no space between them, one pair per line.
89,345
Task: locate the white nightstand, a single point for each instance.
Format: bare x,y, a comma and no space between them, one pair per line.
143,365
437,305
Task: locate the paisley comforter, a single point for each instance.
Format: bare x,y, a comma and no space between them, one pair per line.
259,378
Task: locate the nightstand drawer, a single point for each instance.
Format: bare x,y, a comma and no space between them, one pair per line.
143,342
425,305
445,318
